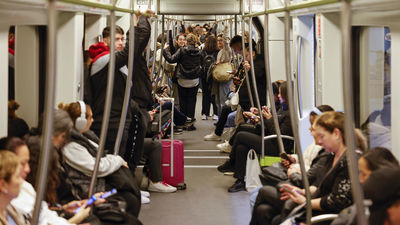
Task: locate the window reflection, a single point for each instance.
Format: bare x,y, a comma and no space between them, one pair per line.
375,96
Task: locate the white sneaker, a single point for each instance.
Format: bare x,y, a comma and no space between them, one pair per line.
225,147
212,137
215,117
145,200
144,193
204,117
161,187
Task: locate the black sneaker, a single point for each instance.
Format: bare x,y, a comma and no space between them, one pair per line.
191,128
189,122
226,167
239,185
178,130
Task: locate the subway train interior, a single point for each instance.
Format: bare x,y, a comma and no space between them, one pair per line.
199,112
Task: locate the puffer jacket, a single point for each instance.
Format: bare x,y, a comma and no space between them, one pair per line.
79,180
189,61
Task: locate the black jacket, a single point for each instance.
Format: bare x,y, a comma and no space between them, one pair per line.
286,129
259,72
335,188
189,61
141,89
317,171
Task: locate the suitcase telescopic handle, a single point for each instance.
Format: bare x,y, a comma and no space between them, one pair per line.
172,129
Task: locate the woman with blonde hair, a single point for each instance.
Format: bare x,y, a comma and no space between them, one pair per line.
10,186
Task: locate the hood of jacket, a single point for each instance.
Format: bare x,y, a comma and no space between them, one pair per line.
191,50
96,49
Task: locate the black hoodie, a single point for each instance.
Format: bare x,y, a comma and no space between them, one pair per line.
189,61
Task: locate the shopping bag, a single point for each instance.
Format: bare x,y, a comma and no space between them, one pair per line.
253,171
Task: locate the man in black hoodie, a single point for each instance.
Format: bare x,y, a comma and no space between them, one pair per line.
141,101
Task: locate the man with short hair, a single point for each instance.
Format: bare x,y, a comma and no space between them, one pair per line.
141,100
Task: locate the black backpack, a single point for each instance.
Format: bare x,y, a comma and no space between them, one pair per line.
209,59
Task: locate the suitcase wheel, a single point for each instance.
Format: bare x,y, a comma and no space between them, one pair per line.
181,186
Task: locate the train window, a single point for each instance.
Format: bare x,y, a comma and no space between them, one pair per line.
374,85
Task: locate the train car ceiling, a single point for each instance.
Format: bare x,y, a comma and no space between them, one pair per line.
195,7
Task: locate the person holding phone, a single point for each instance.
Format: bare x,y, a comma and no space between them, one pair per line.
334,192
244,140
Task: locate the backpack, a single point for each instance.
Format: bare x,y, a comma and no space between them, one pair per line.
209,59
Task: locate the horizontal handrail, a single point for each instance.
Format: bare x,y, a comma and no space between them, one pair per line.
106,6
293,7
276,136
221,20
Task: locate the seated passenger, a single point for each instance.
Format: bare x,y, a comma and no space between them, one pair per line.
314,157
153,175
227,145
243,141
244,99
383,188
10,186
24,203
334,192
371,161
17,127
79,155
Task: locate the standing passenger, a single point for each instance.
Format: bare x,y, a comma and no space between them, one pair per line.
189,61
141,98
209,53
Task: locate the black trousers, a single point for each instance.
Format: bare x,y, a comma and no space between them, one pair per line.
207,99
242,144
245,127
223,117
187,100
152,154
267,207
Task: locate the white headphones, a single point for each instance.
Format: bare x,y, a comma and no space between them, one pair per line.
81,122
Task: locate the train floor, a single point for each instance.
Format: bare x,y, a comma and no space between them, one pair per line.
206,200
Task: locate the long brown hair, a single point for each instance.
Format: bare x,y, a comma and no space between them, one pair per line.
335,120
210,45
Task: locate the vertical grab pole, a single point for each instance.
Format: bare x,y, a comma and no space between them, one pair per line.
128,84
356,189
107,105
160,63
49,107
153,70
253,76
244,58
236,23
293,115
269,81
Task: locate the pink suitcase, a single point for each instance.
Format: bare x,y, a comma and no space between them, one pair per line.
173,169
172,156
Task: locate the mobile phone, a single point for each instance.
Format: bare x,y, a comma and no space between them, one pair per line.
89,202
287,189
285,156
109,193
